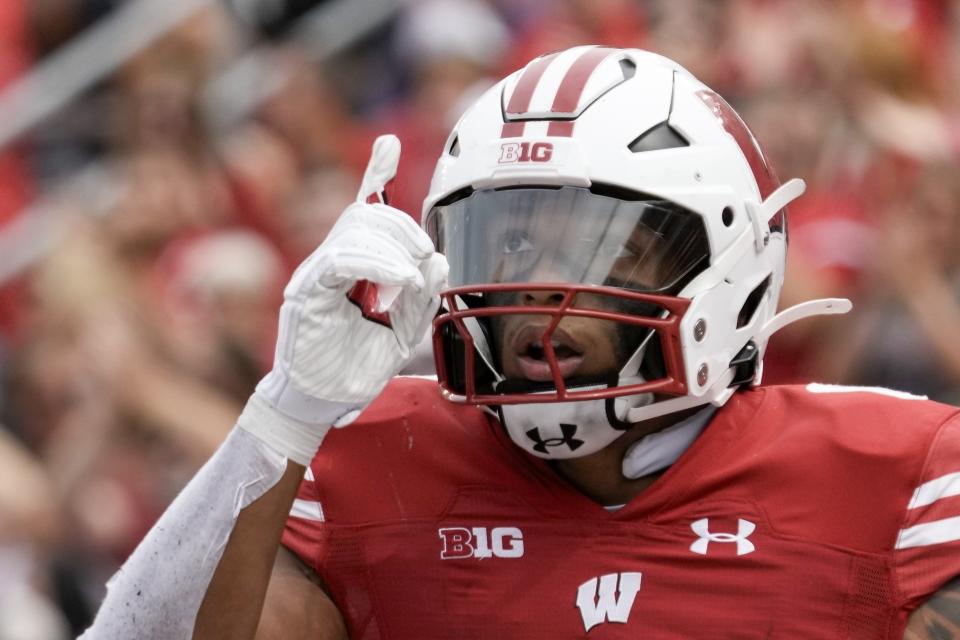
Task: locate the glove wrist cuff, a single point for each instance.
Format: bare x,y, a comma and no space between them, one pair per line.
288,436
283,396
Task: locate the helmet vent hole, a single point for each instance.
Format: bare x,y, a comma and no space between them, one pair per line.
727,216
628,67
661,136
454,148
749,308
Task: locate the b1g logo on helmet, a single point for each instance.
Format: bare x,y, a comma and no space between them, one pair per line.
511,152
480,542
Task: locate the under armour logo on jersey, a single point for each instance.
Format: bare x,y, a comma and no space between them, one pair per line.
608,598
702,528
567,431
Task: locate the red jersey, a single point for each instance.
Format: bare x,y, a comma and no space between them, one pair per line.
800,512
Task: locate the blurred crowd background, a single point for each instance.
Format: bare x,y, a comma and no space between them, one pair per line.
147,226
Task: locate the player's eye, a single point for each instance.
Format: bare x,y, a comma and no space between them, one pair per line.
622,251
516,242
616,250
641,245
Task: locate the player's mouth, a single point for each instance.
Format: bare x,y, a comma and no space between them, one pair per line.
532,356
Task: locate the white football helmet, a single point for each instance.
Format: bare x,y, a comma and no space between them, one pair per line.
608,184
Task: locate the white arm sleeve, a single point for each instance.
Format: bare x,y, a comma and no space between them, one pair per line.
158,591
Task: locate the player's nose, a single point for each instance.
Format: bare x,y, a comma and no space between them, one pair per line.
542,298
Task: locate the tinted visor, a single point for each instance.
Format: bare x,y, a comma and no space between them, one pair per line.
569,235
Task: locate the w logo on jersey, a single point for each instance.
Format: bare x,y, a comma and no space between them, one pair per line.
608,598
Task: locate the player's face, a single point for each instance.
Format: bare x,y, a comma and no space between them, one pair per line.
584,347
571,236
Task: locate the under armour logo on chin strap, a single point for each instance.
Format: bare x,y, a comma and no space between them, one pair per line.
566,429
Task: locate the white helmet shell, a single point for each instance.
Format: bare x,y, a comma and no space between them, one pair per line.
635,120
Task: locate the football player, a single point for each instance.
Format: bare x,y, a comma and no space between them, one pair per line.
595,458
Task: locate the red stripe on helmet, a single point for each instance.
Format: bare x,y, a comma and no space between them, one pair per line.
523,92
763,173
560,128
571,88
512,129
568,94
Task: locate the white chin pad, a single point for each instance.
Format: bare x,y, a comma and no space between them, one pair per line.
561,430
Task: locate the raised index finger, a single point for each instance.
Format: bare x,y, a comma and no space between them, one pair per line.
381,169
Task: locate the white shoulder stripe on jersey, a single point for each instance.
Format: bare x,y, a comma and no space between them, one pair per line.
308,476
936,532
817,387
307,510
936,489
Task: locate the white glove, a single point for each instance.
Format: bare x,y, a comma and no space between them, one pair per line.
332,359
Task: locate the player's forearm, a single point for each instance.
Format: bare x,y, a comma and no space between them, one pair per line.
233,602
159,590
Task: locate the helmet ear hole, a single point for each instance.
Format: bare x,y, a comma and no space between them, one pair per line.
752,303
727,216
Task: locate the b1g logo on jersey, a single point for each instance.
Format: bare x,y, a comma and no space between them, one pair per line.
480,542
526,152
